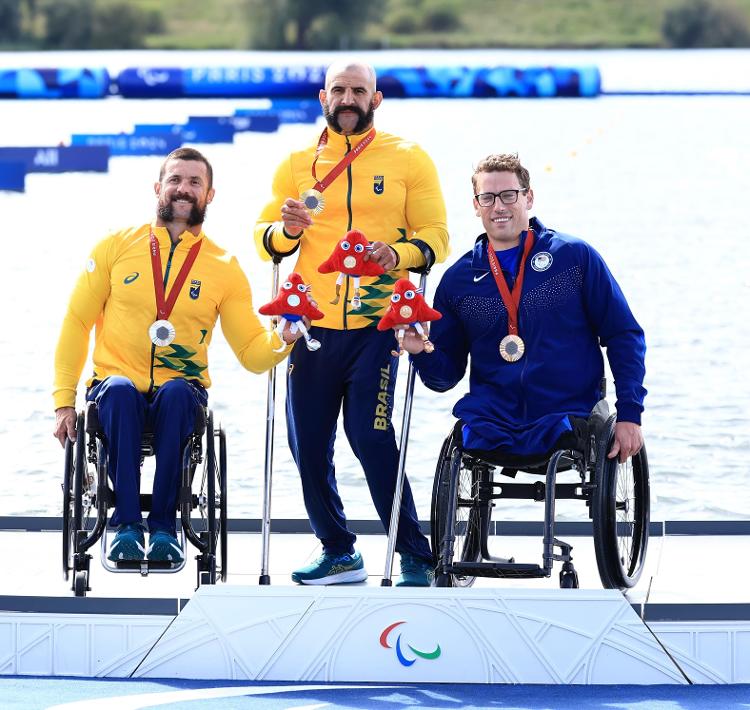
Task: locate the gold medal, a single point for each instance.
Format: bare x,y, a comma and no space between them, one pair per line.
314,202
161,332
511,348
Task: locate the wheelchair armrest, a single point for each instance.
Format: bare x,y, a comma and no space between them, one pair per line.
92,419
598,418
201,417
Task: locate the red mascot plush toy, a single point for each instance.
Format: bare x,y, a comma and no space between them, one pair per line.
348,259
408,307
293,301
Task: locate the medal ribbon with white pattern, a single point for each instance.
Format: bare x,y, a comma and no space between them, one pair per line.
511,346
313,198
162,332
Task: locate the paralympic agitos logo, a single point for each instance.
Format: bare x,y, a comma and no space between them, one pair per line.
402,659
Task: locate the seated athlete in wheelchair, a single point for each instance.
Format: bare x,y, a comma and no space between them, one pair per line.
532,308
148,393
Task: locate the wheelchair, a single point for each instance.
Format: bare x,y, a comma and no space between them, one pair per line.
616,494
87,496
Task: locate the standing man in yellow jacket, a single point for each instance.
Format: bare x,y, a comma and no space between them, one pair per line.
154,293
352,177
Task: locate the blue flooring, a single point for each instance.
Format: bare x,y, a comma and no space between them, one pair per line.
30,693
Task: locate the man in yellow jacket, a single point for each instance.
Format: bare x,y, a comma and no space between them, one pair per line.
154,293
352,177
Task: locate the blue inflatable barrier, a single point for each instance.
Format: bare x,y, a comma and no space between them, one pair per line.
146,83
197,132
483,82
266,123
288,111
406,82
12,175
60,159
54,83
131,144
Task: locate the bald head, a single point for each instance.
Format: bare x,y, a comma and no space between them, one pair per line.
366,72
350,97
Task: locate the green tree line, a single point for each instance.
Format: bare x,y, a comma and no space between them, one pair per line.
343,24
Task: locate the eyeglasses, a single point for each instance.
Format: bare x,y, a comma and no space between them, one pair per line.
507,197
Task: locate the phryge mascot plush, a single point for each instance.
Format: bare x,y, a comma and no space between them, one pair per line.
293,301
348,258
408,307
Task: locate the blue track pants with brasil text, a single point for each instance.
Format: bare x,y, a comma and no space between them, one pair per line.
124,412
354,369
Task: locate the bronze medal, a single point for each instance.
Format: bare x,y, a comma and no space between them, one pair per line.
511,348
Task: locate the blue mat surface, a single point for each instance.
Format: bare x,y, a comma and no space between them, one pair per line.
30,693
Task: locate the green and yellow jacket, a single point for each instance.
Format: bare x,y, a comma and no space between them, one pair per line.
115,292
390,192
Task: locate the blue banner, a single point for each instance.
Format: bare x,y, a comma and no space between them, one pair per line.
54,83
60,159
12,175
131,144
146,83
304,82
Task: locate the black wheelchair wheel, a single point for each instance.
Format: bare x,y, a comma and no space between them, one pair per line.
621,514
213,504
78,479
462,515
68,526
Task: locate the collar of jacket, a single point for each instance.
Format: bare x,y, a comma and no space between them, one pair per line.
479,260
187,238
337,141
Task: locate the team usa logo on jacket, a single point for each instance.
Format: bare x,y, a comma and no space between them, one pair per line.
541,261
378,184
195,289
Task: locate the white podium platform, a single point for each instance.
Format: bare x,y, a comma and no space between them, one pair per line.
671,629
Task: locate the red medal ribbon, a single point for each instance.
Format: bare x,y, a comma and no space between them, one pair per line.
511,300
344,163
165,306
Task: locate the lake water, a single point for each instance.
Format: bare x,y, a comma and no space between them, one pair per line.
658,185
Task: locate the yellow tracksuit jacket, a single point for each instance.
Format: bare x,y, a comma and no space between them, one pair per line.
116,292
390,192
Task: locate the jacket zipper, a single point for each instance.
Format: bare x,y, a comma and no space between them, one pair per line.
172,247
349,222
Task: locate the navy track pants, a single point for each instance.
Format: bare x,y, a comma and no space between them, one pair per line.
124,412
354,369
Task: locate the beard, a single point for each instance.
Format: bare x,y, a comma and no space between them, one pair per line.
197,214
364,118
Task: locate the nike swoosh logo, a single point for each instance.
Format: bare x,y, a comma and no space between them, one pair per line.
479,278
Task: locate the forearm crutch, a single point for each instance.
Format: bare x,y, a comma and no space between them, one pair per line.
265,578
398,492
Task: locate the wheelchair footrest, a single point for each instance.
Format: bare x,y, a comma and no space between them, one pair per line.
143,566
499,569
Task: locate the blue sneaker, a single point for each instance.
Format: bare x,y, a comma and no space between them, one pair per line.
164,547
415,572
129,544
330,568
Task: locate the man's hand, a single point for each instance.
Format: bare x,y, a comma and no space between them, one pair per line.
412,342
65,424
288,337
295,217
628,441
384,255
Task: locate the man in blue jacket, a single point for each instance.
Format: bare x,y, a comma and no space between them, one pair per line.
532,308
